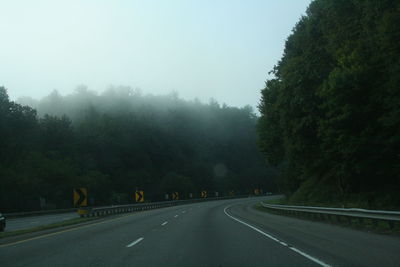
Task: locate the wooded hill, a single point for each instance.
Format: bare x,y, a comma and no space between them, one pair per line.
331,114
119,141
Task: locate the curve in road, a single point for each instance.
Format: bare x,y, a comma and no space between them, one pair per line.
215,233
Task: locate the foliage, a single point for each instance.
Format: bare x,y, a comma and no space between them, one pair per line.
331,115
120,141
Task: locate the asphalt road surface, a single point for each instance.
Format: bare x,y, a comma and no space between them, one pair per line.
215,233
32,221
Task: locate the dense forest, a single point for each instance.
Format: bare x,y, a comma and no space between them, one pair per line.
120,141
330,116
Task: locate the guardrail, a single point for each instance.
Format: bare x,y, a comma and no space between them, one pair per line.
105,210
109,210
390,217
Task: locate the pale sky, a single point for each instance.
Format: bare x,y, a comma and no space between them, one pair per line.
220,49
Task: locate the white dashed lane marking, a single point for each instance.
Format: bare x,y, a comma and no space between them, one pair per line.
135,242
321,263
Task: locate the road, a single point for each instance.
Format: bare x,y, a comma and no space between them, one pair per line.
32,221
215,233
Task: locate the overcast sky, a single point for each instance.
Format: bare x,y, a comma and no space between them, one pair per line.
217,48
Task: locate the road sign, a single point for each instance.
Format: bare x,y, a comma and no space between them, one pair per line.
204,194
80,197
139,196
256,191
175,196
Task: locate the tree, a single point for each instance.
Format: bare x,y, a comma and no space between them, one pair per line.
328,117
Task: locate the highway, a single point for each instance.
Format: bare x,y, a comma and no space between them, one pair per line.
214,233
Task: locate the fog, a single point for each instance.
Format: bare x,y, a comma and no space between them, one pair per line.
203,49
120,140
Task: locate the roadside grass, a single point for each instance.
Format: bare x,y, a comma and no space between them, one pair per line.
277,201
324,192
369,225
47,227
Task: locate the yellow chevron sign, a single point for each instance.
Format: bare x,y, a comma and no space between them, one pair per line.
139,196
80,197
256,191
175,196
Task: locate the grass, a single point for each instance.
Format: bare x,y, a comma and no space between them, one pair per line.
47,227
277,201
323,191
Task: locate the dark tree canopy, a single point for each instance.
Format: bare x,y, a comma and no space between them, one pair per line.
330,118
119,141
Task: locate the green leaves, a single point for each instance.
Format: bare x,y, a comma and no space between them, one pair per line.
332,112
121,141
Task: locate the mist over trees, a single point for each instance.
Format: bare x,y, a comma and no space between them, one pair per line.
330,119
119,141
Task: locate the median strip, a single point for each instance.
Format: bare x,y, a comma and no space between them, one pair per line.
46,227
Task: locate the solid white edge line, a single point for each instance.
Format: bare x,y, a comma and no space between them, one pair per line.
135,242
277,240
164,223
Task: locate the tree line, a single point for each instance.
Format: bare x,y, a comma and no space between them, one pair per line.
120,141
330,116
